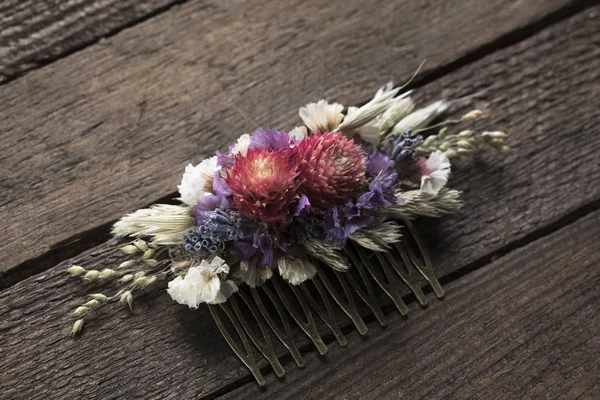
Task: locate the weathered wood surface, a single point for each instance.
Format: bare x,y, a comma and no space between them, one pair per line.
523,327
110,128
166,350
35,32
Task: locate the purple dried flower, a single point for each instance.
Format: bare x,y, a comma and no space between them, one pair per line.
402,149
381,192
339,224
269,139
377,161
220,186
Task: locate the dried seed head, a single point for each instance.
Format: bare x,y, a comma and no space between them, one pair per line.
451,153
429,140
472,115
140,282
76,270
464,144
149,253
464,152
126,264
129,249
99,296
91,275
92,304
398,110
465,134
81,311
126,278
151,262
139,274
443,133
106,273
420,118
506,150
127,297
77,327
141,244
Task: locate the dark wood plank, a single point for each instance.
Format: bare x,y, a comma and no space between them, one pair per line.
110,129
166,350
35,32
525,326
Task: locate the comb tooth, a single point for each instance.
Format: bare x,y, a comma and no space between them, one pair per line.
308,327
266,347
326,314
286,338
369,296
425,267
388,287
348,306
247,358
408,275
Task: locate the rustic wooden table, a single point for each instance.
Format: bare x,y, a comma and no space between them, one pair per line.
104,102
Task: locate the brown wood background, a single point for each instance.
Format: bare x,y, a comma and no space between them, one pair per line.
104,102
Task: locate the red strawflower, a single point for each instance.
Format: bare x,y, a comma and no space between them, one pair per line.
264,183
332,167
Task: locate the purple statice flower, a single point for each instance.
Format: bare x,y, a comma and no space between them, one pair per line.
245,250
381,192
220,186
225,160
377,162
402,148
265,244
341,223
208,204
270,139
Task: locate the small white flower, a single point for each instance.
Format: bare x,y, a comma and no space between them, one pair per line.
197,181
202,284
437,171
322,116
299,133
241,146
252,274
295,270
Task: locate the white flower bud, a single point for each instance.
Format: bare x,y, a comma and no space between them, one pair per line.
92,304
505,150
106,273
472,115
81,311
429,140
139,274
149,254
91,275
465,134
464,144
77,327
76,270
126,264
140,282
129,249
443,133
99,296
451,153
126,278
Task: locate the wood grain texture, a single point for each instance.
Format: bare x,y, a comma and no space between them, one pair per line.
35,32
523,327
166,351
110,129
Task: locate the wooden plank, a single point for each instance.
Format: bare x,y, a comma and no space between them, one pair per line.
166,350
525,326
110,129
34,32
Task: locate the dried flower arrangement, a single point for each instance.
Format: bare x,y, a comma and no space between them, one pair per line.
281,210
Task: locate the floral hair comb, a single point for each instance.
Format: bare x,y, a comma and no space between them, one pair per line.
287,226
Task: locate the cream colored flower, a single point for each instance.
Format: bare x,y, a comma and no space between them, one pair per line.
436,173
322,116
295,270
241,146
197,181
299,133
202,284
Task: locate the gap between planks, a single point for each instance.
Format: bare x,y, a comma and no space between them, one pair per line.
88,239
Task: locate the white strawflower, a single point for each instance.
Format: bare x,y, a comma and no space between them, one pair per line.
322,116
197,181
252,274
295,270
202,284
167,224
436,171
241,146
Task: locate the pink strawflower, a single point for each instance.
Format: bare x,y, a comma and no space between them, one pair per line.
332,168
264,183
